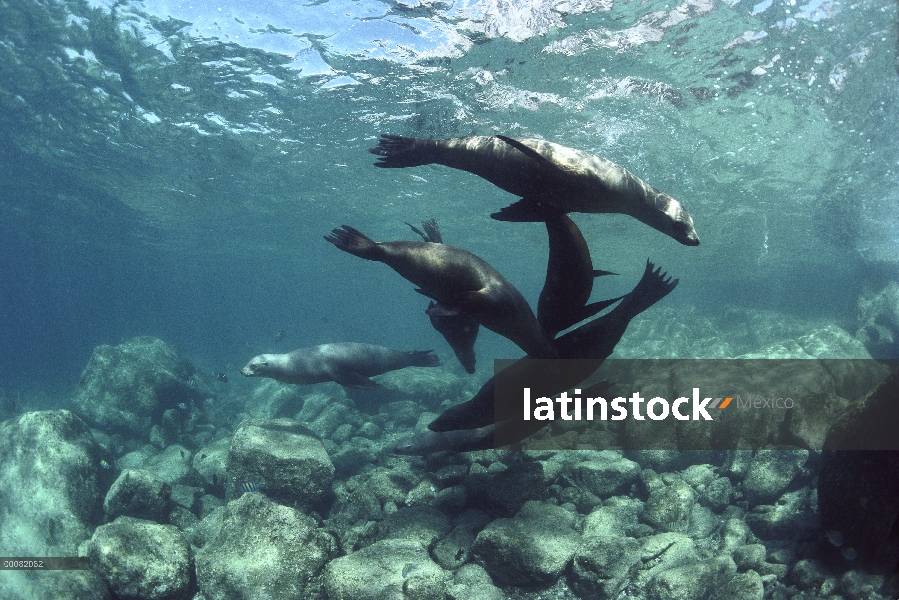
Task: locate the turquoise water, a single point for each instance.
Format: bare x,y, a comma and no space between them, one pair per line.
170,169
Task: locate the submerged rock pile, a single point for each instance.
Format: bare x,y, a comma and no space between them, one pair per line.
262,511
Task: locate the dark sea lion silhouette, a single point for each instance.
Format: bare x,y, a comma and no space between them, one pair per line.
542,172
350,364
459,440
569,277
594,340
459,280
459,329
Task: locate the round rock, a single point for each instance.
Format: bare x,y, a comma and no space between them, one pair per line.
140,559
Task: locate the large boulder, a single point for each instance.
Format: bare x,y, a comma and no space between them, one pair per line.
390,569
140,494
253,544
140,559
771,472
533,548
604,565
281,458
607,477
127,388
50,499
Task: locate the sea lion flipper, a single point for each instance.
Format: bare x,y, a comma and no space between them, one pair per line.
592,309
354,242
424,293
526,210
396,152
600,273
433,230
418,231
352,379
530,153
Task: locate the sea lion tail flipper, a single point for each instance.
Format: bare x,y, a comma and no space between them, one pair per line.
397,152
423,235
652,287
433,230
526,210
423,358
353,241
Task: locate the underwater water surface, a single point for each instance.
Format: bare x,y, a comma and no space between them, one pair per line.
170,168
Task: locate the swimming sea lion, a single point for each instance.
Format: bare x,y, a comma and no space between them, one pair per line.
460,330
542,172
569,277
591,343
459,440
458,280
350,364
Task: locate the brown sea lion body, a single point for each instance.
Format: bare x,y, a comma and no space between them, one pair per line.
458,280
590,344
460,330
542,172
350,364
569,277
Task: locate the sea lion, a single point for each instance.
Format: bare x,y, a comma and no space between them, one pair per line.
460,330
458,280
459,440
591,343
350,364
569,277
542,172
468,440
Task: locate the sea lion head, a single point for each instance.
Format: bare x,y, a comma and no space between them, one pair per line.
260,366
677,222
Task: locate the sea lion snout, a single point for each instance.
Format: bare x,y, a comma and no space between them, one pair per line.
254,368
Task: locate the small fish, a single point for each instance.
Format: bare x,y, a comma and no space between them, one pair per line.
834,537
191,383
222,377
849,553
408,568
181,406
279,336
105,464
252,487
51,532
